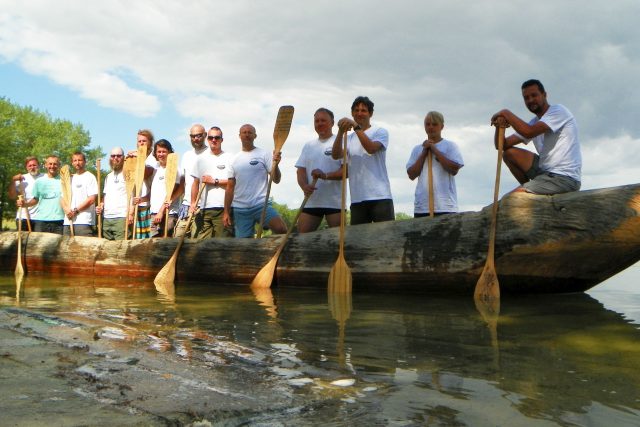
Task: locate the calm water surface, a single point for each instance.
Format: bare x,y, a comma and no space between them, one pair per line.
385,359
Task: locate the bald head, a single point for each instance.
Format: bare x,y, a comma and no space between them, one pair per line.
197,136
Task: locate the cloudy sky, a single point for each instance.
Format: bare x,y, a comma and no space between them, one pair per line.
118,66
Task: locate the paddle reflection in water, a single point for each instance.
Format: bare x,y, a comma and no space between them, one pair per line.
409,359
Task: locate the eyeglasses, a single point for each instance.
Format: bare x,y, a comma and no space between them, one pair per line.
113,156
214,137
196,135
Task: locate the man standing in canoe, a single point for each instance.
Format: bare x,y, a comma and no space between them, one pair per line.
197,136
446,162
47,192
316,162
247,188
367,145
23,184
84,189
554,132
212,168
114,204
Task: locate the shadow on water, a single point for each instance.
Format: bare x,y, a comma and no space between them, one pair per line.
563,358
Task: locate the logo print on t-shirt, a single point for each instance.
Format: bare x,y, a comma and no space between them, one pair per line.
327,152
221,167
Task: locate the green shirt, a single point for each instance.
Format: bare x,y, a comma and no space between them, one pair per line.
48,191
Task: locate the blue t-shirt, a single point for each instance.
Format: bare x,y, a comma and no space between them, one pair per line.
48,191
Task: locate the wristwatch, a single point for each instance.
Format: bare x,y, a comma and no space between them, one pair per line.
216,182
357,127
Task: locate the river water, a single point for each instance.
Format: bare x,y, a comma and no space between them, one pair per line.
223,355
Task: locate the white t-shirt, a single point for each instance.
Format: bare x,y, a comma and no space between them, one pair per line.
216,167
445,196
26,187
115,196
368,179
82,186
559,149
251,172
316,154
187,163
159,191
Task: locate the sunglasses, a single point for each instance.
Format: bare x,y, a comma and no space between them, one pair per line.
196,135
214,137
115,156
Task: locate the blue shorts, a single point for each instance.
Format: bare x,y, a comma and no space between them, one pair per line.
245,219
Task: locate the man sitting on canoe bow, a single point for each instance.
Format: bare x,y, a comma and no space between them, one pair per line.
557,166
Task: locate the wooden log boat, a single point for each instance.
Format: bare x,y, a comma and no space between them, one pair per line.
545,244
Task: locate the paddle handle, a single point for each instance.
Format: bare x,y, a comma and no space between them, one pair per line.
99,198
26,209
304,202
496,193
263,215
343,203
430,183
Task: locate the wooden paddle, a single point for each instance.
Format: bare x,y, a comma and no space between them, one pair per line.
488,288
129,172
141,158
99,198
340,307
264,278
430,176
280,134
65,178
26,210
166,276
340,275
19,268
170,174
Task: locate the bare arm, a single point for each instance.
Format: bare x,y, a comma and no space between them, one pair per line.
523,128
228,199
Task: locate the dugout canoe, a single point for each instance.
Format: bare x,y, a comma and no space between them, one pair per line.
545,244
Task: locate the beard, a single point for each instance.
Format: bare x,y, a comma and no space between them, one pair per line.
116,166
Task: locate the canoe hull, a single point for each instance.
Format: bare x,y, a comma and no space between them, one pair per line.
544,244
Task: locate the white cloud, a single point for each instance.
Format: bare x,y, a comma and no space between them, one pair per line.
229,63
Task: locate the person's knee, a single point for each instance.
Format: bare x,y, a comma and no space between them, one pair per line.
277,225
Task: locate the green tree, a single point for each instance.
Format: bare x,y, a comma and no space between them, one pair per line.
24,132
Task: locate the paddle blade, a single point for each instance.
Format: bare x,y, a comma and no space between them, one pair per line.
164,280
19,268
65,180
340,277
283,126
170,174
487,288
264,278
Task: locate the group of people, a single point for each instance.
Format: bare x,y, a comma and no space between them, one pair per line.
225,193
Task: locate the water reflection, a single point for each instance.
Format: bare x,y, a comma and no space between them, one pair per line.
405,359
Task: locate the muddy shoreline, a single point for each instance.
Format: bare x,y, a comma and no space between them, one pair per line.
69,371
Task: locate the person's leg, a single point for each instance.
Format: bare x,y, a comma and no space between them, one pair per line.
382,210
83,230
219,230
519,162
333,219
274,222
359,214
243,222
308,223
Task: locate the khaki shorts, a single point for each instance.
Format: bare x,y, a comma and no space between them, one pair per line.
542,182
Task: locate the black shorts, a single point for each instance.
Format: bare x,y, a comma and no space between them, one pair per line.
320,212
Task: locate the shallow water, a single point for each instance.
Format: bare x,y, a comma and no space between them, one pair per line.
377,359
